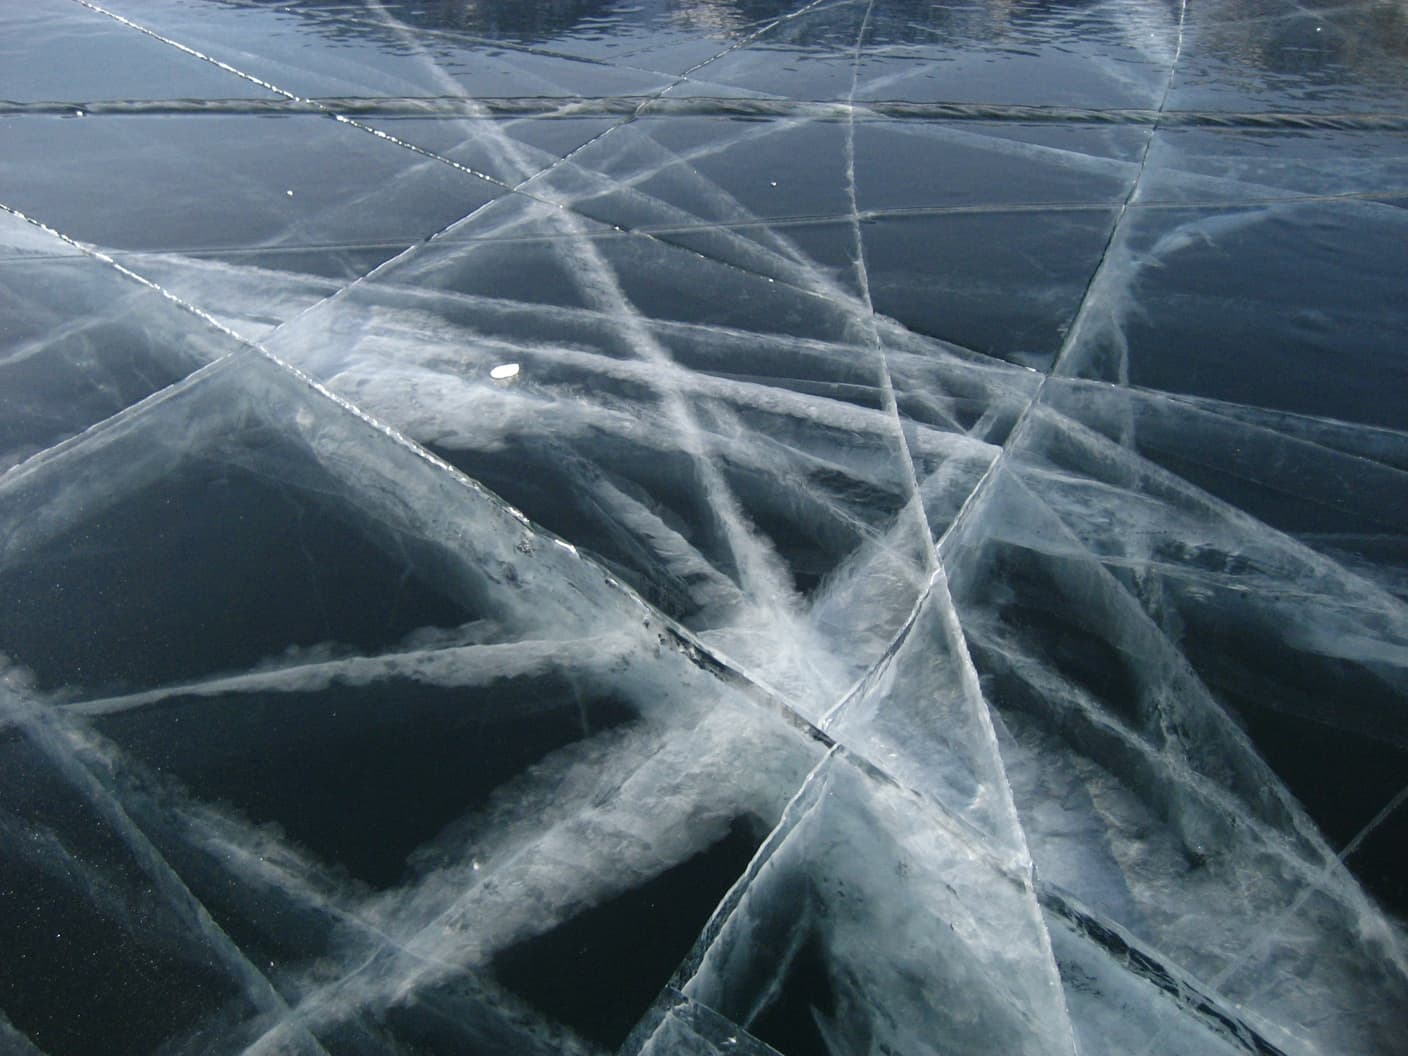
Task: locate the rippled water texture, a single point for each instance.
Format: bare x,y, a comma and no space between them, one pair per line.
703,527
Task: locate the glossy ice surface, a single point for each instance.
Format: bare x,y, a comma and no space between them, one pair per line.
703,527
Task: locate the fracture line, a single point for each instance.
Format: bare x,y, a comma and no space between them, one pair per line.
691,642
998,463
98,255
821,110
529,175
601,286
887,384
40,728
522,187
478,112
1271,931
1020,430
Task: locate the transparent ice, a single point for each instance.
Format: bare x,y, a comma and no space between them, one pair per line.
703,527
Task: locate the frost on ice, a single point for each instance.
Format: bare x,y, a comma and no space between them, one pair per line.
702,528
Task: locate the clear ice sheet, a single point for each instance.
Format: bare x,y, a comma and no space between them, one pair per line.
739,527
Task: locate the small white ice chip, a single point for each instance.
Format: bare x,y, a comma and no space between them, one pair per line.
504,371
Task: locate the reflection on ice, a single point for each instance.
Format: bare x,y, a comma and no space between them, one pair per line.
727,527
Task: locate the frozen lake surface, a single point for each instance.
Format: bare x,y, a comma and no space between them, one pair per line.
703,527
